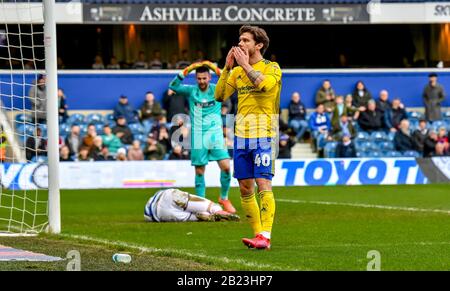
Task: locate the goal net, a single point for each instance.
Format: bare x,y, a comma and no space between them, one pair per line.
28,112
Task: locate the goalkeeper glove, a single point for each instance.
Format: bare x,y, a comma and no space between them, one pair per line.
191,68
212,66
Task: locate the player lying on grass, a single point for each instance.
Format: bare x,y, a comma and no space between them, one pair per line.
178,206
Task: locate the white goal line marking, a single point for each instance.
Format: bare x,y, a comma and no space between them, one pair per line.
362,205
179,253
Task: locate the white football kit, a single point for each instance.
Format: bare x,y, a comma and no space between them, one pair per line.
175,205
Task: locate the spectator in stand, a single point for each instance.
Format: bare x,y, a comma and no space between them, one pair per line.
172,64
178,153
38,99
83,156
111,141
440,150
35,145
160,123
420,135
153,150
442,135
345,147
98,63
285,146
60,63
62,106
433,96
184,62
104,155
339,110
325,95
174,104
124,108
141,62
88,140
430,144
343,127
393,116
164,139
352,111
443,138
320,125
96,148
113,64
371,119
121,155
297,116
122,131
64,154
361,95
135,152
74,140
383,102
156,63
150,109
200,56
403,140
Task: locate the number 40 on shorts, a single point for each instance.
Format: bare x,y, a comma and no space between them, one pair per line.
263,159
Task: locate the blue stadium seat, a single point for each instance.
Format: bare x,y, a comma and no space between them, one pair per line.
77,118
109,116
99,128
392,154
111,123
22,118
414,154
330,149
375,154
141,137
386,146
39,159
362,154
362,135
391,136
378,136
363,146
95,118
64,129
414,115
446,114
136,128
438,124
83,129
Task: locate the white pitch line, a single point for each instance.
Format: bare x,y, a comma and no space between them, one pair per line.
178,253
402,208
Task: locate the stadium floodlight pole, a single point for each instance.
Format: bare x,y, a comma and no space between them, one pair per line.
54,211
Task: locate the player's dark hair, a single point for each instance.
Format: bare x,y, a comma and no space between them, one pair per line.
259,35
203,69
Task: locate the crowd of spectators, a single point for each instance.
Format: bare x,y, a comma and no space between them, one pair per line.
150,131
338,120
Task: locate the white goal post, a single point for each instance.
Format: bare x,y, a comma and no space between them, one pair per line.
29,129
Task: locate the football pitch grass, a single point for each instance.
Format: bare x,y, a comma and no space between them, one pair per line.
316,228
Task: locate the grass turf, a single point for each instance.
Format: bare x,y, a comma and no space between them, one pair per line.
306,236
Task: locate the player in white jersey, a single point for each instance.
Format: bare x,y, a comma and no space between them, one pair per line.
178,206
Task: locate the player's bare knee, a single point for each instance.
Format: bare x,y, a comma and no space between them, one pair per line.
264,185
246,190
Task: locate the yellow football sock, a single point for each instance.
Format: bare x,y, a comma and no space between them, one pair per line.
267,211
251,209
